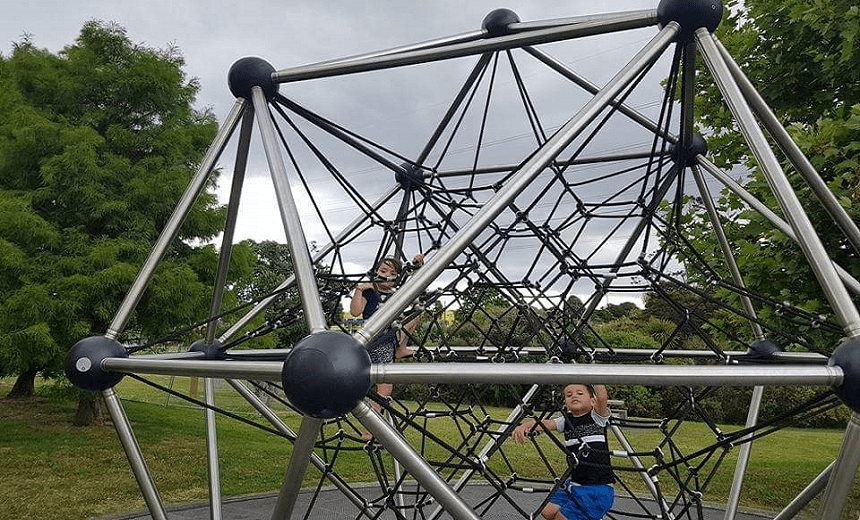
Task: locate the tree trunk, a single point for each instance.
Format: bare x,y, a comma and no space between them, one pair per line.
90,410
24,385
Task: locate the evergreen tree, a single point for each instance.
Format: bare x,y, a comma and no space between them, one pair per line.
97,145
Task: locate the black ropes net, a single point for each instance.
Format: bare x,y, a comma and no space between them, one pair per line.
595,226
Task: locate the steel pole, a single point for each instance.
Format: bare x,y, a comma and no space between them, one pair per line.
417,466
302,264
303,448
626,21
743,456
522,373
230,223
213,470
844,470
291,280
850,282
806,495
279,424
793,152
135,457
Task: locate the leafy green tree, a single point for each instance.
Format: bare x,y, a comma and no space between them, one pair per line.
97,145
614,311
802,56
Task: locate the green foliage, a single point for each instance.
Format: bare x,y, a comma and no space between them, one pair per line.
802,58
97,145
640,401
623,333
614,311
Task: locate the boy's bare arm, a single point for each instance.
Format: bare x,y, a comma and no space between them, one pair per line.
519,433
601,400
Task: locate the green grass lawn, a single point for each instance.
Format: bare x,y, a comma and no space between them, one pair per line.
50,469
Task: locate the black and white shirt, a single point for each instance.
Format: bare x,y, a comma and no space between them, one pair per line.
585,437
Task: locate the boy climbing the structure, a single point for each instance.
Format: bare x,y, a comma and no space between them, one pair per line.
588,494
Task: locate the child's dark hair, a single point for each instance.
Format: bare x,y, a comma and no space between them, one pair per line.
396,264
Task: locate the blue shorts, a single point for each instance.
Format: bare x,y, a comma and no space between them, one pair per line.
584,502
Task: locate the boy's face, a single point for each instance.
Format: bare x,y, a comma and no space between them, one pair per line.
386,270
578,399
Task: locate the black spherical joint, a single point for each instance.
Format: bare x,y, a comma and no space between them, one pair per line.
83,364
697,146
410,176
251,72
765,348
847,357
497,22
690,15
326,374
210,350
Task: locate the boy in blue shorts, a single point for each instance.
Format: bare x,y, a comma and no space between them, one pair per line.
588,493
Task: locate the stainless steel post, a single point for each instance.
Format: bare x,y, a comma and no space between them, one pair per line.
726,248
793,152
302,265
291,280
213,470
380,61
302,451
563,373
743,457
844,471
806,495
317,462
851,283
417,466
135,457
648,480
230,224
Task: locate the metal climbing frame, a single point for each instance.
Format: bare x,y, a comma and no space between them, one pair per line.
470,215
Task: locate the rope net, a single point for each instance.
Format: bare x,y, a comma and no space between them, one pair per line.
601,223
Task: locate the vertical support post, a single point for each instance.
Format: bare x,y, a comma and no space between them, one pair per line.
743,456
212,467
302,451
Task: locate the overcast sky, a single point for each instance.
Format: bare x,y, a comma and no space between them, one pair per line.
213,34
